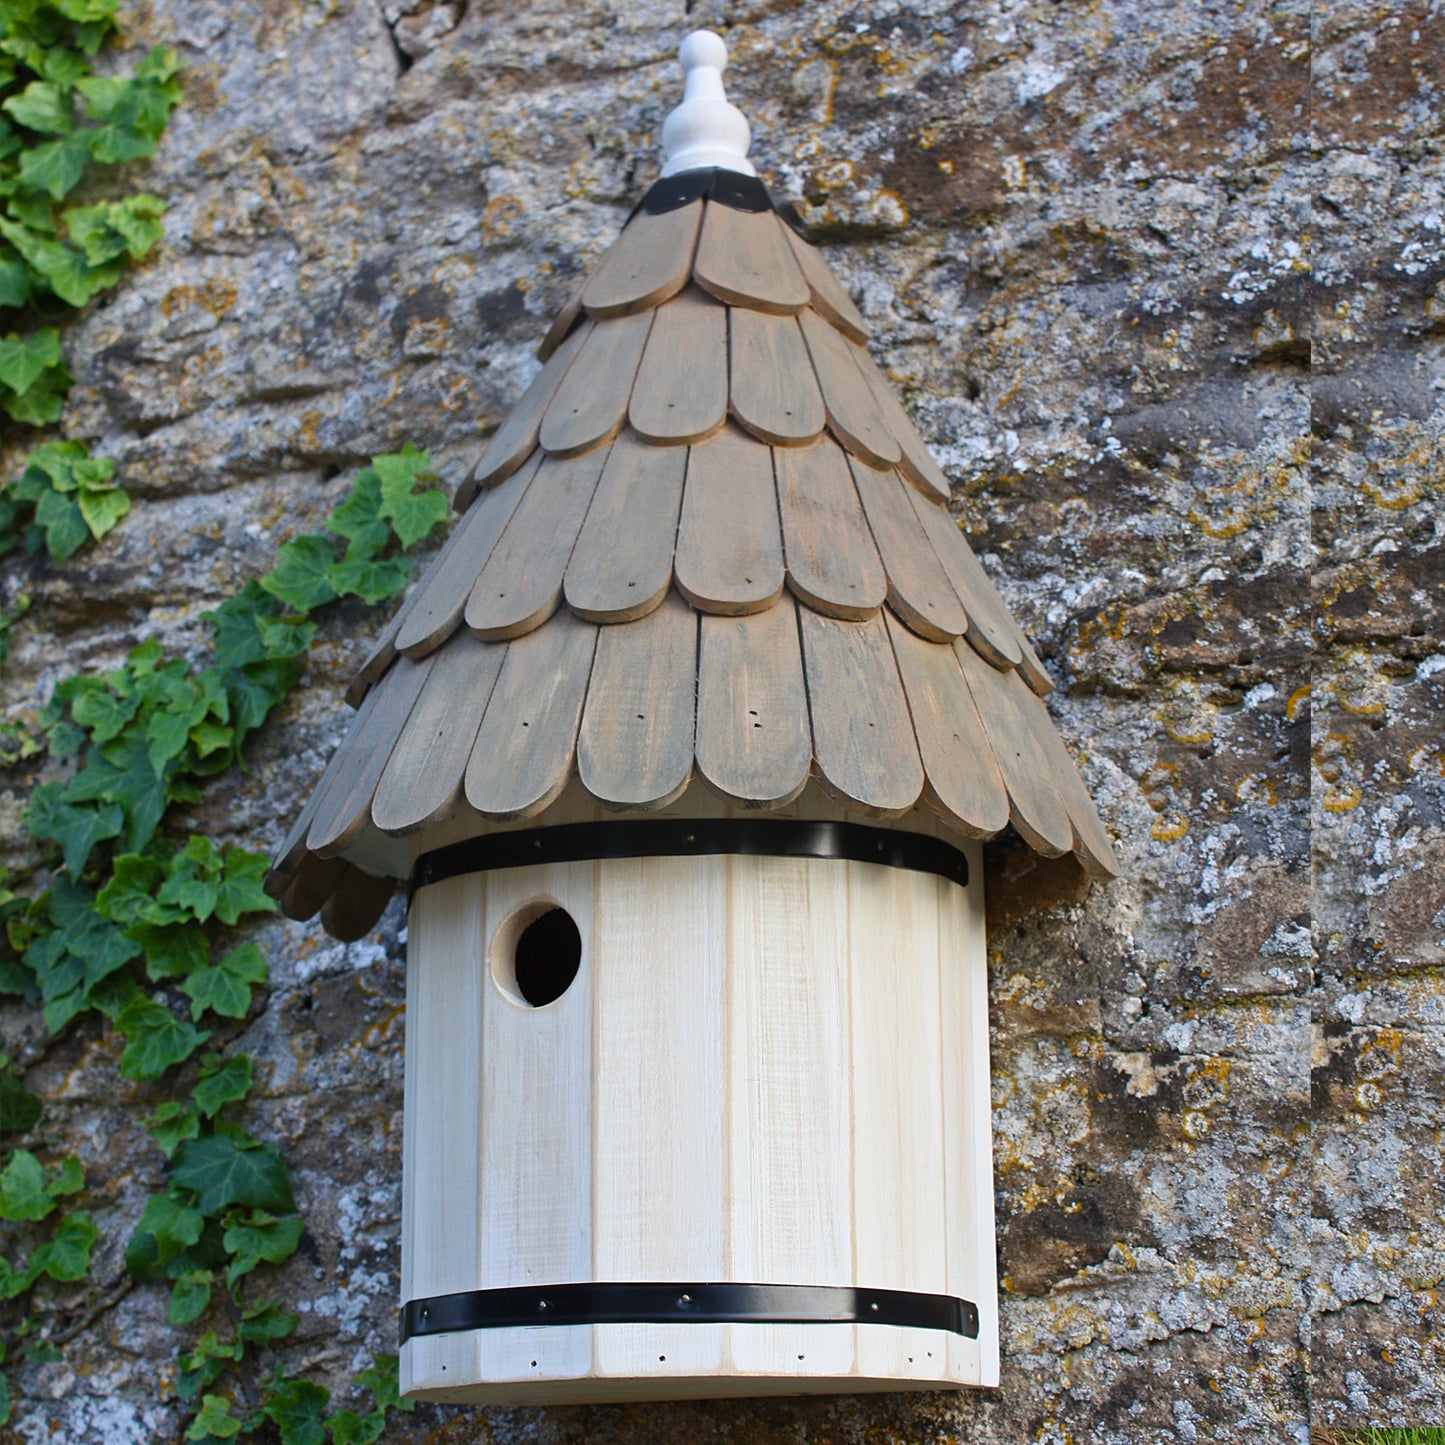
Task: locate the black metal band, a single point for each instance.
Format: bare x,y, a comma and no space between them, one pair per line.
728,188
665,1304
693,838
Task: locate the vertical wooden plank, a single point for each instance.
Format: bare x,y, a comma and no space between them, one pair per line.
659,1190
898,1188
772,390
852,412
621,566
681,392
650,261
534,1187
966,1143
729,549
789,1135
744,258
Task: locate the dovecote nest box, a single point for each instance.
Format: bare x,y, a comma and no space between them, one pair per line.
687,744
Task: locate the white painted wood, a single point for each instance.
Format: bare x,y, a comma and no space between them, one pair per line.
705,129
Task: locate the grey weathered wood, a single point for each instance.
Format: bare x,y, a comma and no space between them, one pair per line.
832,562
1035,808
744,258
754,743
563,322
344,808
521,584
918,588
359,900
621,566
963,779
772,389
591,403
434,610
650,261
853,414
376,662
990,628
1092,843
528,738
516,438
916,461
423,778
828,296
862,737
729,552
681,391
289,856
312,883
634,748
1030,668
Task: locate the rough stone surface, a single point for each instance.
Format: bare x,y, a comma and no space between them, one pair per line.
1212,492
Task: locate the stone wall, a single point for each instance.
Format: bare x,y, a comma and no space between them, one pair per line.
1212,492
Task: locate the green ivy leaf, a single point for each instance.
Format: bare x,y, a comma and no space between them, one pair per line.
265,1324
156,1039
112,229
44,107
171,950
60,518
102,508
370,579
23,1195
75,829
222,1081
412,515
172,1225
23,359
299,574
14,279
19,1109
127,894
80,949
68,1180
206,1363
257,1236
240,890
66,1258
222,1172
359,517
215,1422
294,1407
190,1297
349,1428
226,988
172,1124
382,1378
57,166
287,636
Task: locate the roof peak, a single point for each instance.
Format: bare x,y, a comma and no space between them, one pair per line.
706,129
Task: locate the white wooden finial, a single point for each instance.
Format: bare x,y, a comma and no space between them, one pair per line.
705,130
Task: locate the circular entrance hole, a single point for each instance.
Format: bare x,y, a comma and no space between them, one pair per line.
536,954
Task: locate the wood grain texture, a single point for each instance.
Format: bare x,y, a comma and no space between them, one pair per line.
772,389
1092,844
832,562
563,322
376,662
528,737
621,567
521,584
355,904
1035,808
789,1132
590,404
635,745
343,806
517,437
729,551
681,391
916,461
853,414
434,610
990,628
313,881
754,744
918,588
862,737
649,262
743,257
828,297
423,778
659,1192
1030,668
962,777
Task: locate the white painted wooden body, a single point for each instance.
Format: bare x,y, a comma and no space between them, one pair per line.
767,1070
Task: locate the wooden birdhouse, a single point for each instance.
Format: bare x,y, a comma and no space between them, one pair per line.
686,747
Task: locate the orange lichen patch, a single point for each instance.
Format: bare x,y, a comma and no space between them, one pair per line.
1298,699
501,211
215,294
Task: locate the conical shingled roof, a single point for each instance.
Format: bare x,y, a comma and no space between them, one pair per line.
706,546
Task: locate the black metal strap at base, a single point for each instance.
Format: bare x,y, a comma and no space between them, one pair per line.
665,1304
693,838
